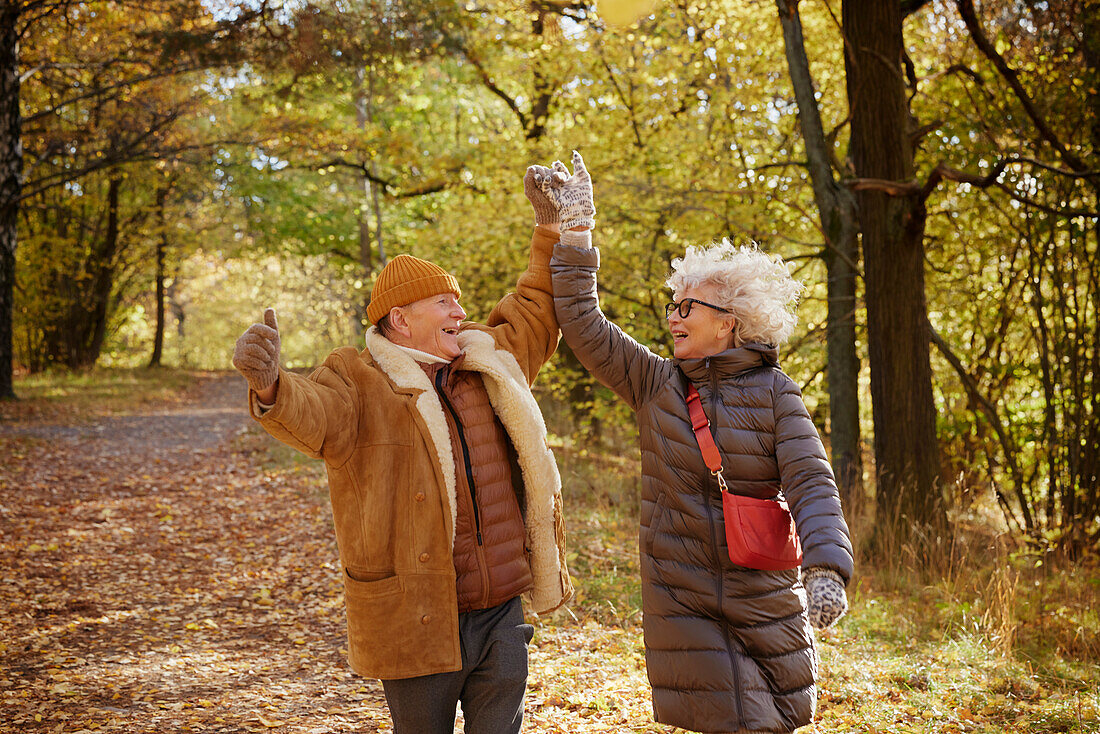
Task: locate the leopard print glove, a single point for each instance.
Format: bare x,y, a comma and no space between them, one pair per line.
825,597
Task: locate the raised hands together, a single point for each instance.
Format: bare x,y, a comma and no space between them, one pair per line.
558,196
571,194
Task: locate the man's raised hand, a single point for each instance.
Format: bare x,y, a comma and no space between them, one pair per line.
546,211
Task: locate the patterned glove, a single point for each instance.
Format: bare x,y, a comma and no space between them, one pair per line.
546,212
256,355
571,194
826,601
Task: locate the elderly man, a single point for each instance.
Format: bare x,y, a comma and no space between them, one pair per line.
445,496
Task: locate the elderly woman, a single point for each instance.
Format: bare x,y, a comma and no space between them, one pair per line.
728,648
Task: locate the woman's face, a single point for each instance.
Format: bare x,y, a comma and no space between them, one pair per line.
705,331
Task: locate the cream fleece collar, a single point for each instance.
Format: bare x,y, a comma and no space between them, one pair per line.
420,356
511,398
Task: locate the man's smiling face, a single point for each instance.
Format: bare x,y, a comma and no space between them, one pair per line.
433,325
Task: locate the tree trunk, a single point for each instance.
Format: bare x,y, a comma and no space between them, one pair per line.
73,338
103,280
364,114
11,172
1091,35
906,452
162,247
839,225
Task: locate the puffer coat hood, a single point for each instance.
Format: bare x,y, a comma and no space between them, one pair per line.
728,649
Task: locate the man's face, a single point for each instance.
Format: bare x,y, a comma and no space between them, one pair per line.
433,325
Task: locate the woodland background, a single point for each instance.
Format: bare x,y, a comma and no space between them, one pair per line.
928,168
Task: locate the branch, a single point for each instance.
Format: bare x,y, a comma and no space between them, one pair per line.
957,69
101,91
970,18
893,188
37,10
390,188
492,86
987,407
622,97
39,186
943,171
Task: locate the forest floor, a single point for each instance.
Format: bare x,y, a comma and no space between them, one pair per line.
167,568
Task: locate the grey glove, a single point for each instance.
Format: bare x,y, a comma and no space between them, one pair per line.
826,601
256,355
545,210
571,194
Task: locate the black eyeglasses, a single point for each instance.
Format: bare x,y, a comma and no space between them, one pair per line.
684,307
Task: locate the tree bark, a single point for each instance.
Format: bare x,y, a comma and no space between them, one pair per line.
11,173
906,452
103,280
839,224
162,248
364,114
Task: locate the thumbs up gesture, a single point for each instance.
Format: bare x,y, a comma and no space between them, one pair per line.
256,355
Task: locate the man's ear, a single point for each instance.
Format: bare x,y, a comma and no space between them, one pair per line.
400,322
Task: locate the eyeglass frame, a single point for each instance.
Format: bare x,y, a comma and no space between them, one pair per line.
679,307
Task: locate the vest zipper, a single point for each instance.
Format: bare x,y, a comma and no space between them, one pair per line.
720,575
465,453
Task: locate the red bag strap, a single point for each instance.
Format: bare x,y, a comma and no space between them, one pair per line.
701,426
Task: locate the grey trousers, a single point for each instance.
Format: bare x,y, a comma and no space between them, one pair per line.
490,685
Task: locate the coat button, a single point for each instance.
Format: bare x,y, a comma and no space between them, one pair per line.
424,557
426,619
419,497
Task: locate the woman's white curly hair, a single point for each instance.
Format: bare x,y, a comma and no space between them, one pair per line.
755,286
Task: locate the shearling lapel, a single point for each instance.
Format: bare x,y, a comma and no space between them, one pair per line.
514,404
407,374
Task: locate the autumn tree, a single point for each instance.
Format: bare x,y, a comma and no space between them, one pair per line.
92,116
836,206
15,18
1023,195
892,226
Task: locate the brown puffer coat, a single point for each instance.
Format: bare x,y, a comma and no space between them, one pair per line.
489,551
728,649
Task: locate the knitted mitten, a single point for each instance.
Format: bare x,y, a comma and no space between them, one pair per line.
256,355
545,210
825,598
572,194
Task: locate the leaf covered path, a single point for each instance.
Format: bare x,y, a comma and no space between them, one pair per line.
157,579
168,568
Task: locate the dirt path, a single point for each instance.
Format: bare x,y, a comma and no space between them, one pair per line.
210,415
156,579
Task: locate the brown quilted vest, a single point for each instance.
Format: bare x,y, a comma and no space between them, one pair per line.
489,552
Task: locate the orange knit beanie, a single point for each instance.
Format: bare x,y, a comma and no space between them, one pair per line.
406,279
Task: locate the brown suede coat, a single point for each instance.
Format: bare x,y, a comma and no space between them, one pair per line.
377,422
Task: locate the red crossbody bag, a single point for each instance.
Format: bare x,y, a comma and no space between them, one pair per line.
760,533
